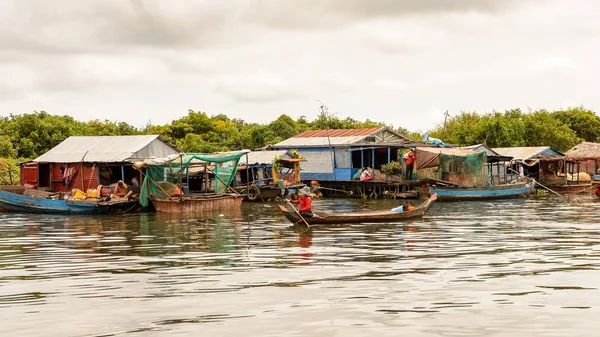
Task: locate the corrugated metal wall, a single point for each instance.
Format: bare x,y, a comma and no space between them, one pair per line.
317,161
342,158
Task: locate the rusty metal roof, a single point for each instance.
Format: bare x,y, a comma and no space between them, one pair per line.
341,137
338,133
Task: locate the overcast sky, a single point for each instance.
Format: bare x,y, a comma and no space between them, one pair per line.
402,62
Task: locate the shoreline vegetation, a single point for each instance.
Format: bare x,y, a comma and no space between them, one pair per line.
24,137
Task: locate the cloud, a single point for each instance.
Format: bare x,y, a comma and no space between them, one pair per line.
257,88
293,14
256,59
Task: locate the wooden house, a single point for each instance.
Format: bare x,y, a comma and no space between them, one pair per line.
543,163
336,155
82,162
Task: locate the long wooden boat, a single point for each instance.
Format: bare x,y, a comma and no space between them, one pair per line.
198,203
449,193
25,200
357,217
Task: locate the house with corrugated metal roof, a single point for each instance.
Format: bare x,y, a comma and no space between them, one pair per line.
84,162
336,155
545,164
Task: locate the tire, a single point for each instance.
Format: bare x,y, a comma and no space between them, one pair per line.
253,193
285,193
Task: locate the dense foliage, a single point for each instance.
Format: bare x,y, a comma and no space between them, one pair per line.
30,135
560,129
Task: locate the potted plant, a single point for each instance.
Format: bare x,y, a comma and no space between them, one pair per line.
391,170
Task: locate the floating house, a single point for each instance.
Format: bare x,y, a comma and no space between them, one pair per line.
543,163
585,157
84,162
336,155
264,175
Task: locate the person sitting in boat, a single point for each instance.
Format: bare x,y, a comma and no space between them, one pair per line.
366,175
403,208
305,202
120,190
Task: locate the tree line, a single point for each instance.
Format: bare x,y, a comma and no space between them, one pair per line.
29,135
561,129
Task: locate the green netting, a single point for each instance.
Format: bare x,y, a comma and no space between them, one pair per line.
466,170
164,176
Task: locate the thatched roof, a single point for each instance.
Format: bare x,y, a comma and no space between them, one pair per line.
585,150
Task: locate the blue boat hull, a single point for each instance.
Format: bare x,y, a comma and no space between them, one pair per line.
26,204
486,192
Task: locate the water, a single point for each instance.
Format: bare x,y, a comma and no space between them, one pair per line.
525,267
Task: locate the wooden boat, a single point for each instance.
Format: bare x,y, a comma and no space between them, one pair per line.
356,217
198,203
27,200
448,193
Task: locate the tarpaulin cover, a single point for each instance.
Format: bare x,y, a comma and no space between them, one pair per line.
163,175
460,166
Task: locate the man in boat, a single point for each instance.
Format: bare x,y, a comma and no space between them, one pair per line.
305,202
403,208
120,190
410,162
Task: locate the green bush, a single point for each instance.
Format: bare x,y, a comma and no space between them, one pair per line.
393,167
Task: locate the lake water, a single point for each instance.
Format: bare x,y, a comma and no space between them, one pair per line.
526,267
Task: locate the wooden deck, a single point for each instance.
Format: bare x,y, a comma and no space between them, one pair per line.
371,189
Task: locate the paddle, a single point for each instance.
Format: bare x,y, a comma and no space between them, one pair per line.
300,215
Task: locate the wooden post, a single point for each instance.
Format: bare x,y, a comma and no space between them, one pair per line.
389,155
10,175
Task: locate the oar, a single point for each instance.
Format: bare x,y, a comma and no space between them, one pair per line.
333,189
537,182
300,215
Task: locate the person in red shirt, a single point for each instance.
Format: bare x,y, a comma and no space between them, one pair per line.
410,161
305,202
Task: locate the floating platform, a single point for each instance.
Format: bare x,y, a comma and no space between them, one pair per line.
377,189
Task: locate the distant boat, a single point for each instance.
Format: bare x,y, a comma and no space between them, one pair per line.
198,203
357,217
449,193
25,200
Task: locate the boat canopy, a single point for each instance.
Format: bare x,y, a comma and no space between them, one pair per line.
165,175
459,166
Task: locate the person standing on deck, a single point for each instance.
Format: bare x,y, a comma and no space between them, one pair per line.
521,172
410,161
305,202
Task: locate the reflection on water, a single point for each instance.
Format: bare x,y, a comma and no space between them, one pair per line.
514,267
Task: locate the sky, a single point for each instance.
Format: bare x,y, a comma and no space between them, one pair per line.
402,62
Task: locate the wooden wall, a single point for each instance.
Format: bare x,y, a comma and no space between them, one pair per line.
87,172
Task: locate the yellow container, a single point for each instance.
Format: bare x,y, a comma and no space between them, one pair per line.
78,194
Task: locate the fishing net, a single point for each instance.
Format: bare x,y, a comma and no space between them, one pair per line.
164,176
466,168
